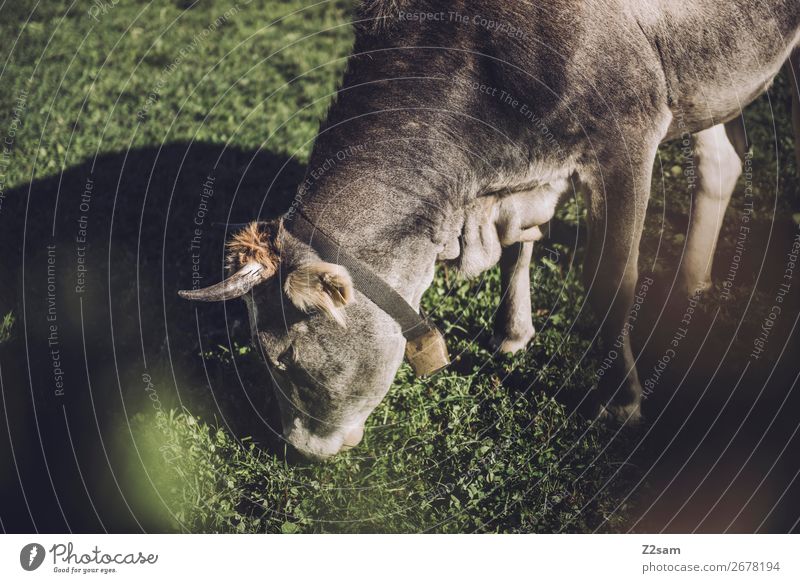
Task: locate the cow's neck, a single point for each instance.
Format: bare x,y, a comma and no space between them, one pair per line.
387,223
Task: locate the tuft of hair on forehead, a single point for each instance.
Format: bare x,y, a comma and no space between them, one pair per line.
258,242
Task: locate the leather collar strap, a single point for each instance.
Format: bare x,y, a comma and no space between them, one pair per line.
425,347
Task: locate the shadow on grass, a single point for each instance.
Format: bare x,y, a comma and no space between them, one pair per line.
93,257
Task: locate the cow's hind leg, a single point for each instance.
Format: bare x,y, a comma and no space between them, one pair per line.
513,326
617,196
718,168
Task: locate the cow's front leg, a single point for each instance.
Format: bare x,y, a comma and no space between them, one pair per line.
617,200
513,326
718,168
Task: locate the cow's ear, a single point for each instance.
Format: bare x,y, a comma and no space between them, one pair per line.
322,286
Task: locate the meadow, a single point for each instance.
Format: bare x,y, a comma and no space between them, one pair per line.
118,113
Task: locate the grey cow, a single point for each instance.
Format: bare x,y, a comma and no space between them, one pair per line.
457,130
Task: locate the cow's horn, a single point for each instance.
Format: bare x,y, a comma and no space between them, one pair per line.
234,286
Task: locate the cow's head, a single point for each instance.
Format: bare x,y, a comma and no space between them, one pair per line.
331,353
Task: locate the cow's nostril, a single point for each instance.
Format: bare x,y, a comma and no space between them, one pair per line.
299,453
309,446
296,457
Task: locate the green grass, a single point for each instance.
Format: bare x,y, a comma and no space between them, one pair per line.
486,446
482,449
6,326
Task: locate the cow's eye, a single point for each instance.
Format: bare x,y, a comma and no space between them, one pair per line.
277,363
285,360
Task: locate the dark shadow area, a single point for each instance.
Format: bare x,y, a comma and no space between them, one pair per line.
721,450
93,258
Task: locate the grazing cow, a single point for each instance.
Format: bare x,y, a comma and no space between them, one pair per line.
458,128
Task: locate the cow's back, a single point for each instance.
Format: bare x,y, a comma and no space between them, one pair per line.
719,56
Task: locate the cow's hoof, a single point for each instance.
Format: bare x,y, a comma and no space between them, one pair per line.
629,415
696,289
512,343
